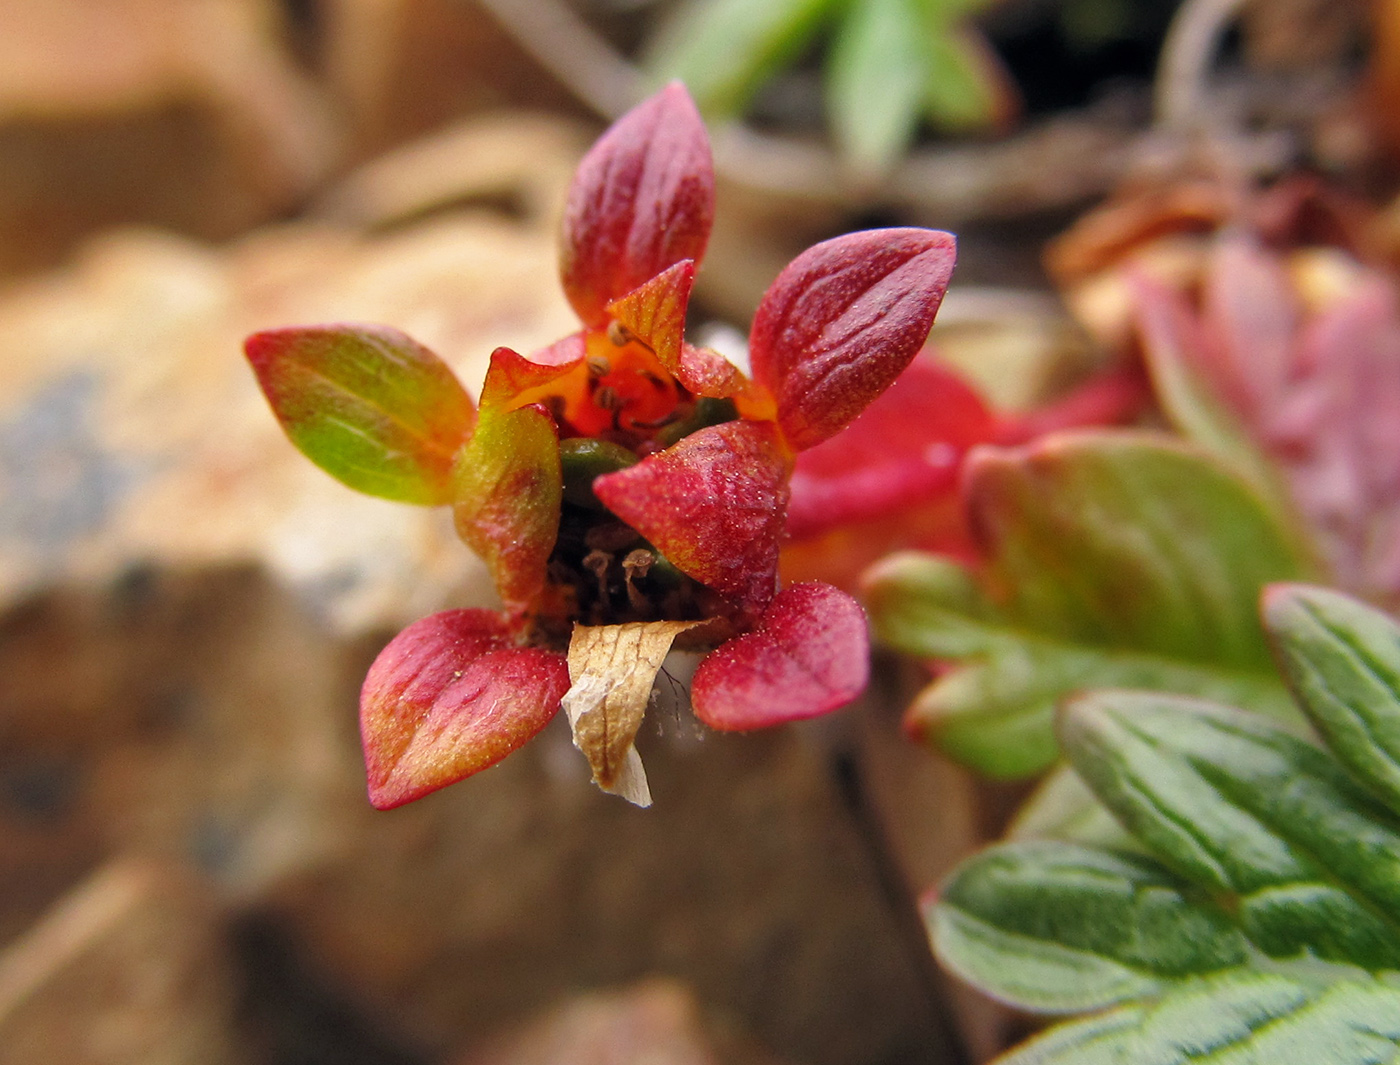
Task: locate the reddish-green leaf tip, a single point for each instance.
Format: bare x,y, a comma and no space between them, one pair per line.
369,405
449,696
842,321
641,201
809,655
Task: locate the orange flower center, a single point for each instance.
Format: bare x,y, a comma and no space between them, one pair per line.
620,392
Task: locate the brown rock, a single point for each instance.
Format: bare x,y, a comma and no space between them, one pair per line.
184,113
204,720
129,969
656,1022
399,68
132,428
747,878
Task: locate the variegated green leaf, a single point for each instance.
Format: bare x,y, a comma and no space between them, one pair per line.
1342,658
1239,1017
1055,927
1308,861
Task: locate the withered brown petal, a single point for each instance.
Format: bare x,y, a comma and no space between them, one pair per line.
612,669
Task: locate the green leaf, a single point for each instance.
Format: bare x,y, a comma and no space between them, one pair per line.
1113,560
1239,1017
1309,861
875,80
724,50
1342,659
1063,808
369,405
962,88
1055,927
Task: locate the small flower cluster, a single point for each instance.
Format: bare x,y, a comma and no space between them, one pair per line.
626,488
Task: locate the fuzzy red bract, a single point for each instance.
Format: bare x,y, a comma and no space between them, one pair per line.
713,504
808,655
449,696
842,321
643,199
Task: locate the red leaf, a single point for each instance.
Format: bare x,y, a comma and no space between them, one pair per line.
905,447
509,488
641,201
713,504
1116,396
809,655
842,321
369,405
449,696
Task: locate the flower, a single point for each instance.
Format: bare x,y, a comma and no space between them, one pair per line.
625,488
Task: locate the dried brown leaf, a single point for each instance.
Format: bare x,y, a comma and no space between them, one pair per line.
612,669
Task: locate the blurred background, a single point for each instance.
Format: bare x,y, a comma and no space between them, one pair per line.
189,870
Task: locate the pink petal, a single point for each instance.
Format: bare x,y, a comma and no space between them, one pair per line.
809,655
641,201
842,321
449,696
713,504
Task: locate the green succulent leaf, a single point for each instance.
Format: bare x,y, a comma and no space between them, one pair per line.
875,81
1055,927
369,405
724,50
1113,560
1342,659
1232,1018
1308,861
